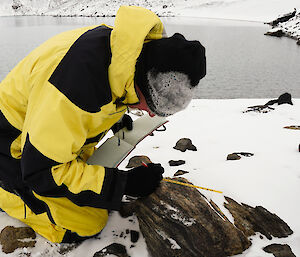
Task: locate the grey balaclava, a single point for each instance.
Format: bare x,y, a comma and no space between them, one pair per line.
167,70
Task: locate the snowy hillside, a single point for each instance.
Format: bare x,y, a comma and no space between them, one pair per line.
255,10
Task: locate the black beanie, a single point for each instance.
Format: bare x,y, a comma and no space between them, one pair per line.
166,72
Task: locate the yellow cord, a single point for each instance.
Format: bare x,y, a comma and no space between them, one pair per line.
189,185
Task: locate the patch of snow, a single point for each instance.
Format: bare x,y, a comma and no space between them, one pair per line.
173,243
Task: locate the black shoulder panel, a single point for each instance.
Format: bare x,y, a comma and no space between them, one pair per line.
82,74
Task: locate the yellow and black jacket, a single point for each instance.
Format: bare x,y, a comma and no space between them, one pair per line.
60,100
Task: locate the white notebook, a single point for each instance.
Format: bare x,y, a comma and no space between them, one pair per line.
115,149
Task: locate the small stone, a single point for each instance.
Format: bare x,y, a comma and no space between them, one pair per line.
298,42
299,147
137,160
115,249
180,172
176,163
279,250
134,236
233,156
184,144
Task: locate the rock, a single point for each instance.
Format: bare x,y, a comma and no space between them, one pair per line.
279,250
184,144
137,160
176,163
295,127
115,249
233,156
134,236
285,98
275,33
259,108
298,42
236,156
183,224
258,219
283,18
180,172
10,238
299,148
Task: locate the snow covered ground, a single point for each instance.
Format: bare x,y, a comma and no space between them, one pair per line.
270,178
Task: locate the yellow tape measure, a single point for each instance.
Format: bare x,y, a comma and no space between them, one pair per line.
189,185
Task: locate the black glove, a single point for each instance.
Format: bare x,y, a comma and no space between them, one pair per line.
126,122
142,181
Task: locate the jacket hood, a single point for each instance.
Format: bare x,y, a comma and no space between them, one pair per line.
133,26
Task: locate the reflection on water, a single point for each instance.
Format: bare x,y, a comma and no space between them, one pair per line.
241,61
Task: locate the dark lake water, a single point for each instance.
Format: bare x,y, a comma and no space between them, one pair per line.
241,61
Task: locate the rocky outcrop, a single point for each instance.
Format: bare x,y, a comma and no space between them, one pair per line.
184,144
275,33
286,25
284,18
285,98
183,223
251,220
12,238
279,250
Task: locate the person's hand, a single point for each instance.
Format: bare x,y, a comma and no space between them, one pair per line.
142,181
126,122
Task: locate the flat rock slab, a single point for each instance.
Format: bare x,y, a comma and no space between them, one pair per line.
176,163
279,250
251,220
178,221
12,238
184,144
237,155
180,172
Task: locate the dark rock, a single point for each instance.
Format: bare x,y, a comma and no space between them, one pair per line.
233,156
275,33
299,147
10,238
279,250
298,42
184,144
283,18
259,108
136,161
116,249
180,172
176,163
258,219
183,224
134,236
285,98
